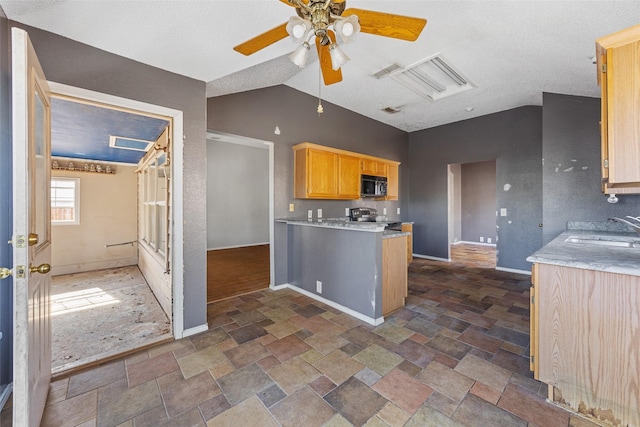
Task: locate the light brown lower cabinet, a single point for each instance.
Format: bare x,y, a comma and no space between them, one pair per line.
585,341
408,228
394,273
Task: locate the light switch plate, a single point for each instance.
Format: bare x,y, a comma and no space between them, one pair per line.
398,211
503,211
291,208
384,211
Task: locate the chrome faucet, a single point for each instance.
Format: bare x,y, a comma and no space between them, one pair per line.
635,224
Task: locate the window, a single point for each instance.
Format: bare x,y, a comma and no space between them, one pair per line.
65,200
153,194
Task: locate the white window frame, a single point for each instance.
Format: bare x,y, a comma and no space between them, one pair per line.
76,201
154,219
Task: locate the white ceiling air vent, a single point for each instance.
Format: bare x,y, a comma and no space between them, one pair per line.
433,78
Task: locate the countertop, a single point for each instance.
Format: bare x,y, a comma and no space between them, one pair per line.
591,256
345,224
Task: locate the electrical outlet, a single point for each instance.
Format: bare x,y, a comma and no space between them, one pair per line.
318,286
384,211
398,211
481,239
346,211
319,213
291,207
310,214
503,211
488,239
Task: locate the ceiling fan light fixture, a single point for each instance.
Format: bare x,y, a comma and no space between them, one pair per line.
298,28
338,57
299,56
347,28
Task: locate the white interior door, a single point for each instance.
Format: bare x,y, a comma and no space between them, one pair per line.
31,232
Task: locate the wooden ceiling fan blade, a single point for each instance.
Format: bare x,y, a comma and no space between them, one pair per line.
329,75
388,25
263,40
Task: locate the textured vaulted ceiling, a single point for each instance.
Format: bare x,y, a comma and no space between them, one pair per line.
512,50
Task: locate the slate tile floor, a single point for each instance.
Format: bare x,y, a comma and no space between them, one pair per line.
455,355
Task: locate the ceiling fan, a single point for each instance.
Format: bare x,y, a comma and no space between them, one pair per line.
325,19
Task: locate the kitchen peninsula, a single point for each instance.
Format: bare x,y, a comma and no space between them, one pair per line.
359,268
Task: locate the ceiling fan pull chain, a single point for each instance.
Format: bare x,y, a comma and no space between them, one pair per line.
320,109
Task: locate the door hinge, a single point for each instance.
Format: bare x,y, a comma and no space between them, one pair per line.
532,358
604,68
533,299
605,163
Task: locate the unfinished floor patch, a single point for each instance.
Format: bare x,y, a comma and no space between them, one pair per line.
100,313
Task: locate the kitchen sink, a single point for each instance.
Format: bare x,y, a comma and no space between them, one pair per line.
603,242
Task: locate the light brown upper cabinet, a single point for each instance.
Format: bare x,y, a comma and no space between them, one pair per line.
392,182
374,167
348,177
330,173
618,57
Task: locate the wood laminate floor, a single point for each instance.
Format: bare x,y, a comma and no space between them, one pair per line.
236,271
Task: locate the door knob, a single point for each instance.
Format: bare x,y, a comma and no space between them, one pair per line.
5,272
42,269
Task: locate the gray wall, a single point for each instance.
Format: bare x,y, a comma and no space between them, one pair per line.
514,139
354,281
76,64
6,207
237,195
256,113
571,172
478,194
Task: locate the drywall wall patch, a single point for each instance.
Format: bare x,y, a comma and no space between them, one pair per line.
507,187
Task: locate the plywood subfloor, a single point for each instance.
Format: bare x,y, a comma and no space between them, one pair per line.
98,314
237,271
471,255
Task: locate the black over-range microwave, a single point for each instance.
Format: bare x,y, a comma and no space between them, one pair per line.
373,186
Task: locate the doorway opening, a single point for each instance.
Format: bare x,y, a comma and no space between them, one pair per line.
131,209
472,213
239,215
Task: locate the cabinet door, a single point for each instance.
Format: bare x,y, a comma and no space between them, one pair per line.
322,173
348,177
392,182
623,113
394,274
374,167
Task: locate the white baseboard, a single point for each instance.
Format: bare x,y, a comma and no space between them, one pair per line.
513,270
347,310
238,246
431,258
59,270
194,330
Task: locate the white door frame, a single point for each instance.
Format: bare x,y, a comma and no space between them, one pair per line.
238,139
177,193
